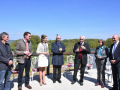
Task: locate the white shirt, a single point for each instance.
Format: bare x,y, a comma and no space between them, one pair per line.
114,47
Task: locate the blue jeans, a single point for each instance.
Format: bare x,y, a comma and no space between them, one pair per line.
5,74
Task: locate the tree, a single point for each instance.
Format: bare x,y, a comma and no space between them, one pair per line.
108,42
12,45
35,40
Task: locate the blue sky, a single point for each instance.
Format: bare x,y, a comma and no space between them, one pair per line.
68,18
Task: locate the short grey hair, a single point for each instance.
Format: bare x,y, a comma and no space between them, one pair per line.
3,34
83,37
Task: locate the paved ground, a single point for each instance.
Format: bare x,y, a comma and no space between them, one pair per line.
89,82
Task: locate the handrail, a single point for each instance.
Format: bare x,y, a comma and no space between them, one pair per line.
35,54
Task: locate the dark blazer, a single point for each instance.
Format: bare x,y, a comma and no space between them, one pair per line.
116,54
5,55
57,58
84,53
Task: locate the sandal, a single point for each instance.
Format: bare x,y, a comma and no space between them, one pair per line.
40,84
44,83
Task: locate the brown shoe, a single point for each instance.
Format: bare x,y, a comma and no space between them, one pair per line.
28,86
19,88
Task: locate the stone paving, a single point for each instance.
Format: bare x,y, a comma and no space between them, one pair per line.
89,82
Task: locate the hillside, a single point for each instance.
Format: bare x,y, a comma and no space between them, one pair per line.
69,43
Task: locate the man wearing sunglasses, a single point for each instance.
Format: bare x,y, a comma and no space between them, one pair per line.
81,49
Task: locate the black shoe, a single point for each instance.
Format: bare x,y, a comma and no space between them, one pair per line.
81,83
73,82
54,81
59,81
113,88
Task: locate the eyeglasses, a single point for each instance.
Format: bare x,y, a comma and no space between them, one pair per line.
81,39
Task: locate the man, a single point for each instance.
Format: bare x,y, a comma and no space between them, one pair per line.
23,50
6,61
57,60
115,62
81,49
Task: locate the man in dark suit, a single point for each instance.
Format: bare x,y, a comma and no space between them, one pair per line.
115,62
57,60
81,49
23,51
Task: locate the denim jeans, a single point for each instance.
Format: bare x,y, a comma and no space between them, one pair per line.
5,74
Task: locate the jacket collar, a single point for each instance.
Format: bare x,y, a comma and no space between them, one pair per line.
25,41
57,42
3,44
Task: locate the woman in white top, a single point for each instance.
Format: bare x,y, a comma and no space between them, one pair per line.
42,50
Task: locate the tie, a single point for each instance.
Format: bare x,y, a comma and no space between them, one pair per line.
27,46
27,49
80,54
114,50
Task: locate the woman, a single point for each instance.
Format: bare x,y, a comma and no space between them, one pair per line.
42,50
101,54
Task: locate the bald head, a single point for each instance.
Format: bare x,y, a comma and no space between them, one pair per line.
58,38
83,37
115,38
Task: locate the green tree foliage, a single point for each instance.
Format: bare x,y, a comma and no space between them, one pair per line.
69,43
50,44
108,42
35,40
12,45
93,43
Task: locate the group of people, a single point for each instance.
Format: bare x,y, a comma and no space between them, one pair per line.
23,52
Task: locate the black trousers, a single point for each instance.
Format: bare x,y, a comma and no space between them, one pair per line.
26,65
116,76
100,65
56,68
82,70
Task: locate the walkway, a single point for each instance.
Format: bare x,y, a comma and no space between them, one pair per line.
89,82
